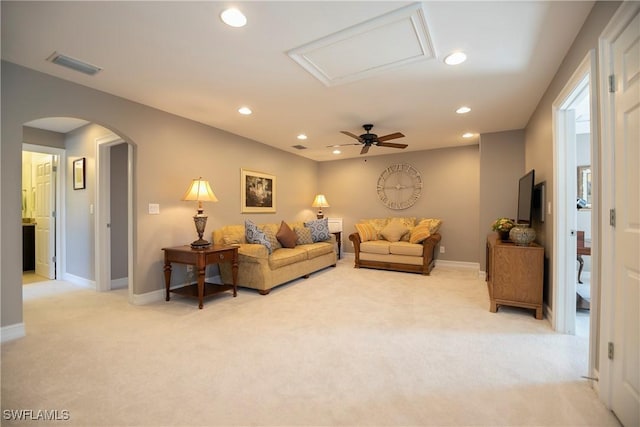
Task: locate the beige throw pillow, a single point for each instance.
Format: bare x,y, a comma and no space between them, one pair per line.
394,231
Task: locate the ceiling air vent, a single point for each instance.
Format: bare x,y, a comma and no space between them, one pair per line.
74,64
299,147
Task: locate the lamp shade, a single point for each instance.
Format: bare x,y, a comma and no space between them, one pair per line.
320,202
200,191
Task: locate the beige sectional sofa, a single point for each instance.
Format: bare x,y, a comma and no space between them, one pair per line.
401,244
262,268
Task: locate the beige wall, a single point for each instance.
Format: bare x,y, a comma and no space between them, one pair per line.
451,192
501,166
539,130
169,152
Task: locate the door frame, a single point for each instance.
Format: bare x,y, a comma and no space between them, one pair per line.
618,23
103,207
60,184
565,222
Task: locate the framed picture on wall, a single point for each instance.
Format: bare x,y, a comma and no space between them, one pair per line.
257,192
79,174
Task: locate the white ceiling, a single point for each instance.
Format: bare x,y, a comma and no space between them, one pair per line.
179,57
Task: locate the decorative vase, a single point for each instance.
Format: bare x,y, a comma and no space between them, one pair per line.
504,235
522,234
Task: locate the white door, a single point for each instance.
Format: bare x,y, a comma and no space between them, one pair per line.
626,360
44,203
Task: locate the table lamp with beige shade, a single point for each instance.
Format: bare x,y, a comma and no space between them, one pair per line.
200,191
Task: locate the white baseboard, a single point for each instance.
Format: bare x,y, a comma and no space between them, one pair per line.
160,295
81,281
458,264
12,332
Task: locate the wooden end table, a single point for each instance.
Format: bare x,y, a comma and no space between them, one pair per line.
200,258
338,235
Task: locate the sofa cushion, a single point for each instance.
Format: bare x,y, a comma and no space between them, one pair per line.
233,234
424,229
419,233
303,235
255,235
367,232
377,223
317,249
270,231
409,222
406,248
394,230
286,256
252,252
433,224
319,229
286,236
375,247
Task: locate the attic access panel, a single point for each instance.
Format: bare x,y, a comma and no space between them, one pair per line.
389,41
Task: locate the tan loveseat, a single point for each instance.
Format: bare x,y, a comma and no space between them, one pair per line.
261,270
401,244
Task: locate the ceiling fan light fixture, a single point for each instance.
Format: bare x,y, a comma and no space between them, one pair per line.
233,18
463,110
455,58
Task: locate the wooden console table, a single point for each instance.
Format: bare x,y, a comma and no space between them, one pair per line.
514,274
200,258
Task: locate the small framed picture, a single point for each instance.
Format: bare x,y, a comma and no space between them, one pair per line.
257,192
79,174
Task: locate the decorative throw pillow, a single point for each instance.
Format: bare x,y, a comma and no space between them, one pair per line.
367,232
319,229
394,230
286,236
270,231
303,235
433,224
255,235
419,233
377,223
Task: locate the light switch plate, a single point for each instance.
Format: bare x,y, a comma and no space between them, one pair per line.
154,209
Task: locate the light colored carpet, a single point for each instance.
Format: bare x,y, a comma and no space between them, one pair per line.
344,347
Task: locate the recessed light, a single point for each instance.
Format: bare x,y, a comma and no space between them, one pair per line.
463,110
233,18
455,58
468,135
302,136
245,111
336,151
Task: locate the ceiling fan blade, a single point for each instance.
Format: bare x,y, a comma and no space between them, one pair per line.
343,145
350,134
390,136
365,149
392,145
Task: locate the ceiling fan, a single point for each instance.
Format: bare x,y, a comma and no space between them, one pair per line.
368,139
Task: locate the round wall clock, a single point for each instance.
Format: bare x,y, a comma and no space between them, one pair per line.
399,186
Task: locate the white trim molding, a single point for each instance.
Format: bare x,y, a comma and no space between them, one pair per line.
12,332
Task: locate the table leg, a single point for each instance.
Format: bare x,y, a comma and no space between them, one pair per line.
581,261
201,274
234,273
167,278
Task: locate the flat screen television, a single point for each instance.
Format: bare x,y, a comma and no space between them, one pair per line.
525,197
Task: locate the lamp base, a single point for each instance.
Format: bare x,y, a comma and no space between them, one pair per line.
200,244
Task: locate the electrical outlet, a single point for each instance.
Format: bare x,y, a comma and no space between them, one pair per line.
189,268
441,249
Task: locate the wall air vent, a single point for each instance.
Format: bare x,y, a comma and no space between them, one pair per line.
74,64
299,147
